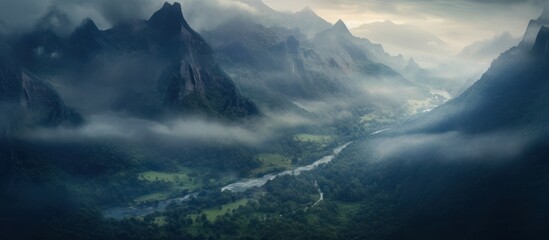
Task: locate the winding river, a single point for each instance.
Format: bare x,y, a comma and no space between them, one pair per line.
240,186
246,184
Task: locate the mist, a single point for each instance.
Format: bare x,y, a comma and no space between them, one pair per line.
453,146
189,130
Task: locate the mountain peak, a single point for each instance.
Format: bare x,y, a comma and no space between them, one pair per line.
168,18
340,27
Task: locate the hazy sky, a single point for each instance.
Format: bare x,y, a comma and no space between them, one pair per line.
457,22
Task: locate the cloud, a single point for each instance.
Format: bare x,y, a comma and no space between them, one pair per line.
189,130
452,146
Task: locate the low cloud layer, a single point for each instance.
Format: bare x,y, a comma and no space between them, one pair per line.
190,130
452,146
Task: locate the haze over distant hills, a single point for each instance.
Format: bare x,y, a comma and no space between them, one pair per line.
490,48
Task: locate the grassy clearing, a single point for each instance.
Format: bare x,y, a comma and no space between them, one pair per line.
212,214
182,181
152,197
271,162
313,138
164,176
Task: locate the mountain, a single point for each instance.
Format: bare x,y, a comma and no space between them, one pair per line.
145,68
490,48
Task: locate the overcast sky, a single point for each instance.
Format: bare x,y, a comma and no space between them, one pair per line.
457,22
